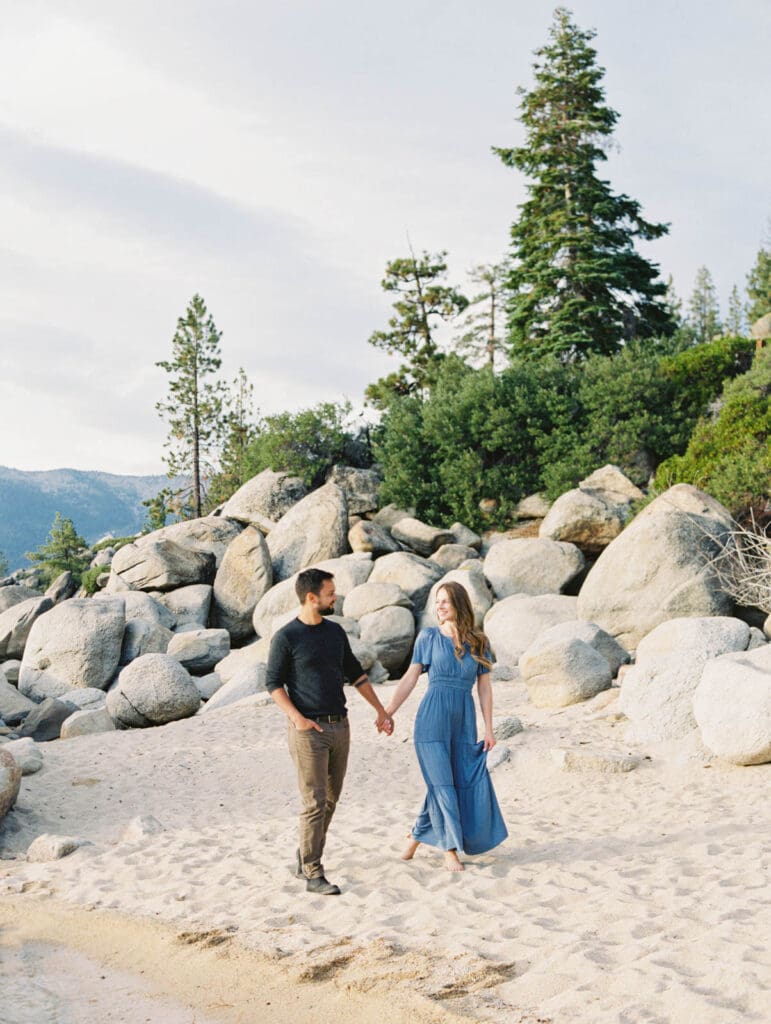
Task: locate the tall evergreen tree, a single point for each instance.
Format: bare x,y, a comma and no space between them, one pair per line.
577,283
703,310
193,408
482,337
736,320
759,282
422,299
240,429
63,551
673,303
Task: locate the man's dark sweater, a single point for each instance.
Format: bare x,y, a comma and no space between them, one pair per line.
313,663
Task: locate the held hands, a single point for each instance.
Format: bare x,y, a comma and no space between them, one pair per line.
384,723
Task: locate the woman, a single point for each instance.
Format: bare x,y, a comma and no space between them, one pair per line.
460,811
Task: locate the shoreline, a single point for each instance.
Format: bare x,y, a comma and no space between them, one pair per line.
209,972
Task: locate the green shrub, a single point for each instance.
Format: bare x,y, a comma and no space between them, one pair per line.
90,576
307,443
730,456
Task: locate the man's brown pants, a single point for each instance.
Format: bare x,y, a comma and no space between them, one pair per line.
320,759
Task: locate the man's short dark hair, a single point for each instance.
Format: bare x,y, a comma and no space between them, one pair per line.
310,581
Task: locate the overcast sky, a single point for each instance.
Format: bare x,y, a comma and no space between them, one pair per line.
273,155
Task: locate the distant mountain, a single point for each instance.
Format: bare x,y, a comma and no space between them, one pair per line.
97,503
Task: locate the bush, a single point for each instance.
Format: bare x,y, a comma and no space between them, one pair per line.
90,576
730,456
307,443
64,551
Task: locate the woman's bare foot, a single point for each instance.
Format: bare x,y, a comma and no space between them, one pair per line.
451,861
409,850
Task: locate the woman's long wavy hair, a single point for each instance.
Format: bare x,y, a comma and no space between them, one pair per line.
478,644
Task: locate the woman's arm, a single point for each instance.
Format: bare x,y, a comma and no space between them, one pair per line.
485,691
404,688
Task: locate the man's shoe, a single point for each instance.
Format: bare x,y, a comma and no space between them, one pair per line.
298,868
321,887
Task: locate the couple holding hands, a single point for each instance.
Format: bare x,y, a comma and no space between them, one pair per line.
310,661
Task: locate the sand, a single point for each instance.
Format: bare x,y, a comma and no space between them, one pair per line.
622,898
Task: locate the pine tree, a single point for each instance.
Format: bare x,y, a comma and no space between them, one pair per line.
240,429
673,303
482,337
193,408
759,283
703,310
422,299
64,551
576,283
736,321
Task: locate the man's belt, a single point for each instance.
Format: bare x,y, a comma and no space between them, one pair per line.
327,718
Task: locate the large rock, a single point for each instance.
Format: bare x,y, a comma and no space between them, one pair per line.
531,566
472,578
14,706
452,556
62,588
140,606
162,565
360,486
188,606
243,577
16,624
371,597
15,594
10,782
463,535
593,514
515,622
419,536
561,672
200,650
732,706
658,568
27,755
141,637
208,535
277,601
152,690
350,571
534,506
391,632
591,634
45,722
267,496
251,656
657,691
87,722
413,574
372,537
75,644
314,529
249,681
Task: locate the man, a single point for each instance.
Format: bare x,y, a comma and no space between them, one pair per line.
310,660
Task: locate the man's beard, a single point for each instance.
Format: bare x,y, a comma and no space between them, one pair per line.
327,611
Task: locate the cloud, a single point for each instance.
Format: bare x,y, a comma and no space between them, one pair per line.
145,201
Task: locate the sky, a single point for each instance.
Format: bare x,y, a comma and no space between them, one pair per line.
273,155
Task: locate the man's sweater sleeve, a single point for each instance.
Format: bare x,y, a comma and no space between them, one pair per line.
278,663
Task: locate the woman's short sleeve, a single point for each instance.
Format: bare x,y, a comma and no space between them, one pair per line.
481,669
422,651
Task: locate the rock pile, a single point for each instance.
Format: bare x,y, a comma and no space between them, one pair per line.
183,620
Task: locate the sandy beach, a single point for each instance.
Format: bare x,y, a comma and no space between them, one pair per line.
640,896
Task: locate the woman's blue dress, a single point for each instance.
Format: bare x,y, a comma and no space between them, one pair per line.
460,811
